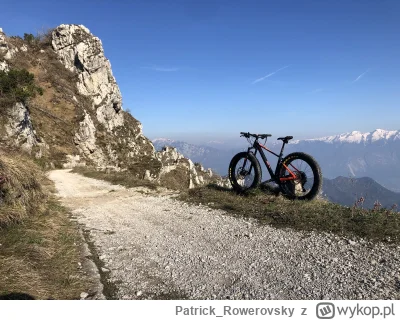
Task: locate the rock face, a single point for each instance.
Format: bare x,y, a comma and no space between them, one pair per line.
7,50
3,50
83,53
4,66
81,114
172,163
19,127
85,139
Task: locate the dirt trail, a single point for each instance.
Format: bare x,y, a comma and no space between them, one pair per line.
155,247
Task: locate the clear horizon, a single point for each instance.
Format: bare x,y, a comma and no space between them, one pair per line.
210,69
235,139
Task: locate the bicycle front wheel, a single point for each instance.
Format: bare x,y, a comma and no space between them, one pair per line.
244,172
300,176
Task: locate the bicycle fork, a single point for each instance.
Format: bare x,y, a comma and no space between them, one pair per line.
244,166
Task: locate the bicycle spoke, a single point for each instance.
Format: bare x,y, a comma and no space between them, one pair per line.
304,181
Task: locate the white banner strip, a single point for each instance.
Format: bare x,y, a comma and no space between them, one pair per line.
195,309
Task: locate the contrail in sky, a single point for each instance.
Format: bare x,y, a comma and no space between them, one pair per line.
269,75
360,76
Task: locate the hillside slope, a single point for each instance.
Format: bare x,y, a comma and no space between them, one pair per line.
347,191
79,119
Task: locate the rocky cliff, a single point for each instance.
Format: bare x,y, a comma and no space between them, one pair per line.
79,120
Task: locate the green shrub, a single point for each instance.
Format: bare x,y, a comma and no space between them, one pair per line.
29,37
17,86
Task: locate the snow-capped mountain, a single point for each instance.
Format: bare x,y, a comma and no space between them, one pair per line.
373,154
378,135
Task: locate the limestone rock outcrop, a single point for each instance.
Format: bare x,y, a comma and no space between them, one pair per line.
4,66
5,49
85,140
19,128
172,161
83,53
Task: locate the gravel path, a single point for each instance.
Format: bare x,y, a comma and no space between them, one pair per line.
155,247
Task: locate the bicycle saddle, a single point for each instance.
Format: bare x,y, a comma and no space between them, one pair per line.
287,138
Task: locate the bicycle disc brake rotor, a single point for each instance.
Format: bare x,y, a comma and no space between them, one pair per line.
242,172
241,175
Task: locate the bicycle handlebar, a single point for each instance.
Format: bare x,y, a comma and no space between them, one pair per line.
248,135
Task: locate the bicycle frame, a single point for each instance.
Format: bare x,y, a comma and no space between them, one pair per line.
274,175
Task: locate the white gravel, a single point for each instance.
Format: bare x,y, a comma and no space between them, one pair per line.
155,247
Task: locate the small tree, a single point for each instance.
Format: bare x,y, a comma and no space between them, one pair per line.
17,86
29,37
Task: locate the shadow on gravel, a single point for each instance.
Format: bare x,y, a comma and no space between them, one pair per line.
173,295
110,289
16,296
264,187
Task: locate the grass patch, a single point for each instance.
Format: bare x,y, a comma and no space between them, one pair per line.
122,178
177,179
21,192
39,256
40,247
319,215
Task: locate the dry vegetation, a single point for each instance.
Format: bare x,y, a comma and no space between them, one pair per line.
174,180
177,179
40,247
321,215
21,191
125,178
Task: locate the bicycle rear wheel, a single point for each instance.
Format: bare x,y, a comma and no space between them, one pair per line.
244,172
308,177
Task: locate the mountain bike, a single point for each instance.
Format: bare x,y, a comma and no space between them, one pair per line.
298,175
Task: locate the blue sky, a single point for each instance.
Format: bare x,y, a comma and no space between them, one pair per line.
201,70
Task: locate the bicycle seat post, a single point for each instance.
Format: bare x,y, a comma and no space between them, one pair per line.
283,147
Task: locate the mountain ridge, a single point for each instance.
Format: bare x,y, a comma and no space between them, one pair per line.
347,191
358,137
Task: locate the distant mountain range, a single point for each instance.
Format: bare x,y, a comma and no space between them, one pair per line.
346,191
373,154
378,135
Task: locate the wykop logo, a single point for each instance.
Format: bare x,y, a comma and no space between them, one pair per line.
325,310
